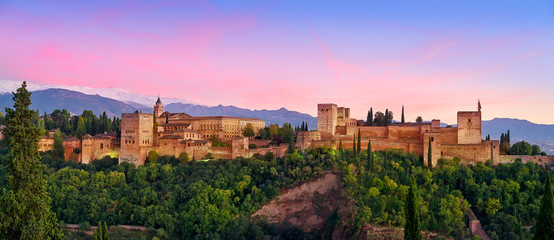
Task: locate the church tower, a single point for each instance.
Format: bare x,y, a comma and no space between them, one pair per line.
158,108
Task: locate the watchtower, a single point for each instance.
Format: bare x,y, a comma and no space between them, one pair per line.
327,118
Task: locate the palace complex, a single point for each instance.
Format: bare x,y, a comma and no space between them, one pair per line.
168,134
336,127
176,133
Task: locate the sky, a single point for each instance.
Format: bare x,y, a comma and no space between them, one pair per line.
433,57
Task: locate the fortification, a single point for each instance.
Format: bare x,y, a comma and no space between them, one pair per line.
136,137
335,126
469,127
327,118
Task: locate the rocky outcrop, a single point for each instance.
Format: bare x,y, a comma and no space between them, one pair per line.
307,206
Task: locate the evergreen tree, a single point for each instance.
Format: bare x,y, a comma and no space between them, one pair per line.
25,205
105,232
81,131
166,118
412,230
508,138
387,117
402,120
545,222
340,146
429,155
370,117
291,146
58,151
306,127
359,146
369,155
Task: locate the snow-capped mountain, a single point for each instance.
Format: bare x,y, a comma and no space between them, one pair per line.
8,86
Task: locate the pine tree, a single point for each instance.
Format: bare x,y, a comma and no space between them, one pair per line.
429,155
25,205
369,155
412,230
402,120
359,146
545,222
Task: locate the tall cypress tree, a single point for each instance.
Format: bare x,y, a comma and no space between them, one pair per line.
412,230
58,151
359,147
340,146
369,155
545,222
387,117
429,155
370,117
25,205
402,120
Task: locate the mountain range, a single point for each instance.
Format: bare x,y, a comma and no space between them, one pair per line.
47,100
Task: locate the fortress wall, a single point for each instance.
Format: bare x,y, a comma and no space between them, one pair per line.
304,139
45,144
469,152
69,146
541,160
222,152
373,132
260,142
409,132
448,135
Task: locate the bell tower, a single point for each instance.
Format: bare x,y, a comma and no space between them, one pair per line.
158,108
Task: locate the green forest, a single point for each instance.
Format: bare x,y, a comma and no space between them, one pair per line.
213,199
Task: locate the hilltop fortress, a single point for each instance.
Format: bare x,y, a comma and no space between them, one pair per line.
177,133
336,127
168,134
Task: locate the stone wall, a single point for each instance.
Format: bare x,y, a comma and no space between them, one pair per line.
541,160
481,152
469,127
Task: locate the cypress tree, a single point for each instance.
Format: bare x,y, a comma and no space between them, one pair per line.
166,118
412,230
402,120
387,117
370,117
545,223
359,147
369,155
508,137
105,232
340,146
429,155
25,205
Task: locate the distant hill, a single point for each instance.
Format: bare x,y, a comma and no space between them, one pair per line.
75,102
279,116
540,134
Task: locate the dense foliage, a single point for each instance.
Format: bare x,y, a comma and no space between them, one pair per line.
504,195
24,202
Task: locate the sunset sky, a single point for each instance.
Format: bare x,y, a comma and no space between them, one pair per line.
435,57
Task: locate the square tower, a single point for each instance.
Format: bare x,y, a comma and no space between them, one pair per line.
469,127
327,118
137,136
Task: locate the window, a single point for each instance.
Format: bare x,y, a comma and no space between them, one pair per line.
469,120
